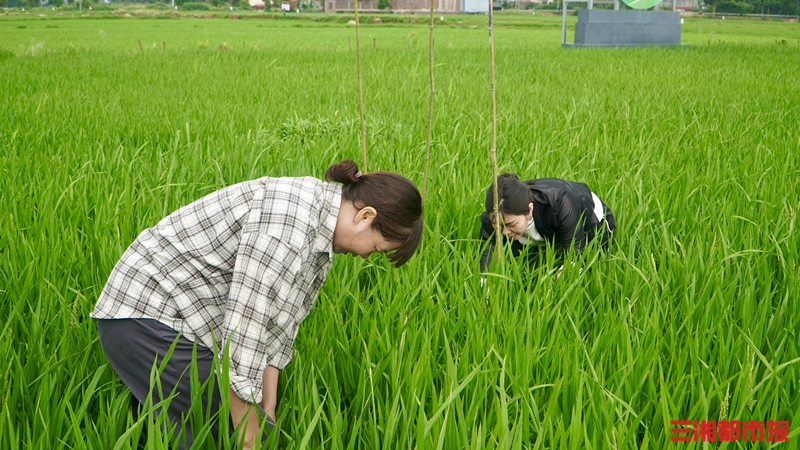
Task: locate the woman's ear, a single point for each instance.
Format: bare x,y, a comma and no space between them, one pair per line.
530,209
365,216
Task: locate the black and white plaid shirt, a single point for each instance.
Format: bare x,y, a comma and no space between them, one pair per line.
244,263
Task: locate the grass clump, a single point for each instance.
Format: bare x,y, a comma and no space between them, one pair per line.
195,6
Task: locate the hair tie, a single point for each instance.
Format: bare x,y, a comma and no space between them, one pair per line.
358,175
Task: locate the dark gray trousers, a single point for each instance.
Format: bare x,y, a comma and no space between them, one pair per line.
132,346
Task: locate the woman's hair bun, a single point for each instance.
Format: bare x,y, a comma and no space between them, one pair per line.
511,175
345,172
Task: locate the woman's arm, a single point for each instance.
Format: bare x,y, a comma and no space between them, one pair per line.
571,218
242,410
487,232
269,396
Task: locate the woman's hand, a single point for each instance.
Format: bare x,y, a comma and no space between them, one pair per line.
242,411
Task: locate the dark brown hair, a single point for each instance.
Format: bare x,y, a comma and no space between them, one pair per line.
394,197
513,196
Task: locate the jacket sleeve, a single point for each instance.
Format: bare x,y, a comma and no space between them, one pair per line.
487,238
570,220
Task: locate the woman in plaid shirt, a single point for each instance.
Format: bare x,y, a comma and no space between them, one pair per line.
243,266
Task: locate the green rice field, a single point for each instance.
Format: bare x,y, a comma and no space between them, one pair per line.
109,123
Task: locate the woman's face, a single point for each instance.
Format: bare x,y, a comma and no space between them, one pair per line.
354,234
364,243
515,225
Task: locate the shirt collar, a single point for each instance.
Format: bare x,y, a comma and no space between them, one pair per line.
531,233
331,201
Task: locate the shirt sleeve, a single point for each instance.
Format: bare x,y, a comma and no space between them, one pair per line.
284,354
570,219
261,317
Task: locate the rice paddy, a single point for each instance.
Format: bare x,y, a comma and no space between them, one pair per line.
109,124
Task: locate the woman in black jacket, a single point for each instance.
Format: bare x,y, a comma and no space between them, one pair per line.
564,214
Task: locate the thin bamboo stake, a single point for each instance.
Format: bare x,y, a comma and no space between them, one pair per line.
430,110
497,229
360,96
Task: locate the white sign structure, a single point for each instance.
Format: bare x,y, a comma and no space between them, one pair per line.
475,6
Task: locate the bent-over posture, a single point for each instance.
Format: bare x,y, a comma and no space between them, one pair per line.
564,214
243,266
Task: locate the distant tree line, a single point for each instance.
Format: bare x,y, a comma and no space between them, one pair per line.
777,7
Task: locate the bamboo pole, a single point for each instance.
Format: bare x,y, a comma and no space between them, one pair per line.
360,96
497,229
430,109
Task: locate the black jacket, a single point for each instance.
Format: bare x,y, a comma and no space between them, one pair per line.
563,212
